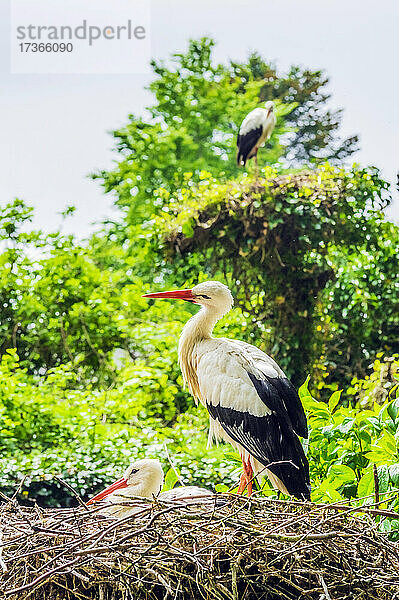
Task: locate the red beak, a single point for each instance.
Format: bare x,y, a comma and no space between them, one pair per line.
121,483
186,295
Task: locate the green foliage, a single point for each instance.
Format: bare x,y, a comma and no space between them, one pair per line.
15,265
26,423
64,306
359,307
346,444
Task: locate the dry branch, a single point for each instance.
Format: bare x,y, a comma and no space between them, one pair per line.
238,549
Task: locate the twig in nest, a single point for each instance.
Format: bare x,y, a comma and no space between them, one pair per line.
5,498
74,492
2,563
19,488
172,465
376,484
325,588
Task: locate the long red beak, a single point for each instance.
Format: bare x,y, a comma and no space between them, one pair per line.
121,483
186,295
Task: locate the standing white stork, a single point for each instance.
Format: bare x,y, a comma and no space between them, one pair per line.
144,479
255,130
250,401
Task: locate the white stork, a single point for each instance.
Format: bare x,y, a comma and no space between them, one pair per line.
251,403
255,130
144,479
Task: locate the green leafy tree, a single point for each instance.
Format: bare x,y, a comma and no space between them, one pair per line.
17,245
56,303
359,307
192,125
61,303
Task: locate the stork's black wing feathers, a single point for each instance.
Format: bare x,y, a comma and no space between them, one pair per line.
271,440
276,390
246,143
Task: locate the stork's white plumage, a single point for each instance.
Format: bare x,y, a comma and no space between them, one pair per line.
251,403
255,130
144,479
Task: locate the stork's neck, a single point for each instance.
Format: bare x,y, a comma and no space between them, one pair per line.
198,328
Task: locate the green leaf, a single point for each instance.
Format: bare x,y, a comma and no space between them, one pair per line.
187,228
341,474
171,479
346,425
383,478
334,399
366,485
284,109
393,409
388,525
233,456
388,442
304,393
378,456
394,474
221,488
310,404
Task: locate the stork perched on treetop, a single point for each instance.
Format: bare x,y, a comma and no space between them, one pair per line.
144,479
251,403
255,130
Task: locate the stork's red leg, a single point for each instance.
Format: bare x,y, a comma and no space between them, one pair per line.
249,485
246,478
243,484
249,475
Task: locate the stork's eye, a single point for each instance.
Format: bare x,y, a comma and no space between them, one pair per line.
133,471
203,296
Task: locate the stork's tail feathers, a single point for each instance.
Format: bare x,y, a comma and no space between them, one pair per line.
292,476
301,490
292,480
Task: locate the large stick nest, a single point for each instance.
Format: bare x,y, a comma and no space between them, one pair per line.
235,548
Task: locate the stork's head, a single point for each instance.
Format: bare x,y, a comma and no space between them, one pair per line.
142,478
211,294
269,106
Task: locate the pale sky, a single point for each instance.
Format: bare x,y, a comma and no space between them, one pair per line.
54,128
